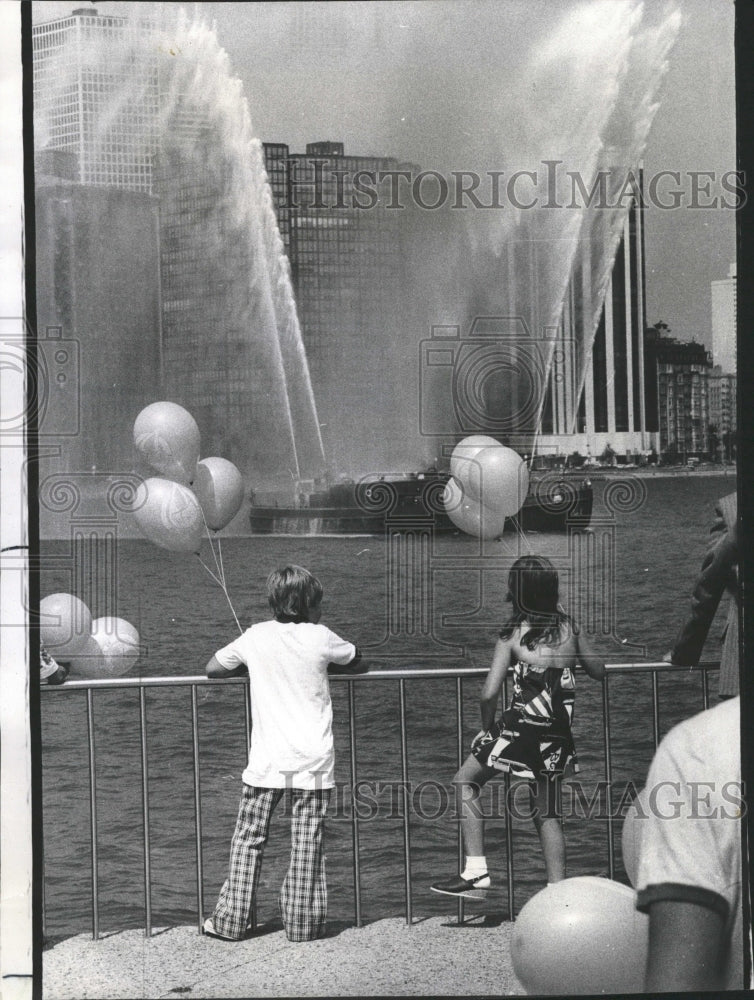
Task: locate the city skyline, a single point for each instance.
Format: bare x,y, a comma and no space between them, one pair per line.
108,98
305,76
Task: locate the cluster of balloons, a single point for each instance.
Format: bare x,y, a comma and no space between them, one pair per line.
489,483
583,935
103,647
173,509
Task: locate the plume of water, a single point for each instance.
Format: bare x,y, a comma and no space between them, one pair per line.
580,101
167,117
237,231
624,142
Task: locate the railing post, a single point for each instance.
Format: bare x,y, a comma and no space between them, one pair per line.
93,812
508,828
197,810
247,731
459,755
406,818
145,812
608,776
655,708
509,845
354,814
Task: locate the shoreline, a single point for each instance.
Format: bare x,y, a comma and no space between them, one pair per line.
596,475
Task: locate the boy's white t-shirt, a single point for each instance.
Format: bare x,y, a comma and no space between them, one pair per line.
291,712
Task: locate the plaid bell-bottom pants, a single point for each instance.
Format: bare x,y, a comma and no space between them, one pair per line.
303,895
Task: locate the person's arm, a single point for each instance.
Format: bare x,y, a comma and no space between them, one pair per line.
593,664
689,854
686,945
718,563
355,666
228,662
216,670
343,656
493,684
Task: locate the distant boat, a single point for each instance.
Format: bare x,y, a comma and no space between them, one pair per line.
411,500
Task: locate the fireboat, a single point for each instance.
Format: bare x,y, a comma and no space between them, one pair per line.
366,506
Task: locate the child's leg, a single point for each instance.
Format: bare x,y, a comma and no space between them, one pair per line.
252,827
547,822
474,880
468,784
303,895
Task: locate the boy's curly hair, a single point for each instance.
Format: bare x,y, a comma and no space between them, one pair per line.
292,591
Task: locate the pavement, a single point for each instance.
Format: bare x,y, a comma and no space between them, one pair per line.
432,957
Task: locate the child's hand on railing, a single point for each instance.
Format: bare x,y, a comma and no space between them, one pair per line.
478,739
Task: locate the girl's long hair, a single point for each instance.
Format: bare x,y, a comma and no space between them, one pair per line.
533,592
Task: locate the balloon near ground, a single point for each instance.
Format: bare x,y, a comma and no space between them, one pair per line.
65,625
88,662
169,515
167,438
118,642
581,936
630,838
218,486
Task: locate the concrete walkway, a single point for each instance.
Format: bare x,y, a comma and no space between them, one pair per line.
433,957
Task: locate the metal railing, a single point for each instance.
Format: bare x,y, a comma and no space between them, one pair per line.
378,676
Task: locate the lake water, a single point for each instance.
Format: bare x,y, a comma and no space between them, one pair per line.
631,588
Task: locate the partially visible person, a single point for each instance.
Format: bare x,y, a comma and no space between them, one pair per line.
718,576
50,671
540,644
689,865
288,661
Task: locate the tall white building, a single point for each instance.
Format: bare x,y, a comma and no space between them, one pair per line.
611,408
724,322
85,64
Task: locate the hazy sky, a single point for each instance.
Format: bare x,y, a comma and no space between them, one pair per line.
432,82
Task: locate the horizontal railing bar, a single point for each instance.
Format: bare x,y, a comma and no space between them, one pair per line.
373,675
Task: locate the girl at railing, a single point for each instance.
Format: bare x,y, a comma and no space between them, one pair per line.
532,740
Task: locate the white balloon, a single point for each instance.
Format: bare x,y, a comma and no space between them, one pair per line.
169,515
88,662
583,935
219,489
167,437
464,453
469,515
65,625
118,642
491,473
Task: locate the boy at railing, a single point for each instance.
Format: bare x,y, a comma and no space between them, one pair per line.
288,660
532,740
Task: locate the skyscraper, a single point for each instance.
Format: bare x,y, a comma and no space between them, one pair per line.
348,260
724,327
108,91
85,99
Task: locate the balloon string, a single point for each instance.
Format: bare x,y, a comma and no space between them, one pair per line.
213,575
521,533
220,553
221,585
212,548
